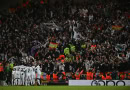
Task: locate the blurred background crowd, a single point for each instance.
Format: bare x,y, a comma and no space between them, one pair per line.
64,37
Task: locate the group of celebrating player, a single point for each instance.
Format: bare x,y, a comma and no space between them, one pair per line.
25,75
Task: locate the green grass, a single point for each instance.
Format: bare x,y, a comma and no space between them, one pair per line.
64,87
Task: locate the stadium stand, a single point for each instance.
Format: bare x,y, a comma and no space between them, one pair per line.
64,42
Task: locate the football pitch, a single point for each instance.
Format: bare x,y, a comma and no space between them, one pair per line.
64,87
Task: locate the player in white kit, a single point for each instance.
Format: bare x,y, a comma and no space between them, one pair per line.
14,76
33,75
18,75
28,76
38,74
22,75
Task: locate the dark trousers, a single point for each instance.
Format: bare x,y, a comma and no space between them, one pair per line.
1,75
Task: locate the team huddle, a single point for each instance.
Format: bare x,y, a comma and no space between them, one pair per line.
24,75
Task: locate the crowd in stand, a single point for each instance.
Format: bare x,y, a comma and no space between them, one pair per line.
68,38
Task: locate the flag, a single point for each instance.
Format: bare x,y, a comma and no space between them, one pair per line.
33,49
53,45
116,27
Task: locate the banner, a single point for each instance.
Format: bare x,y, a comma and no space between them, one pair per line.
116,27
99,82
53,45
